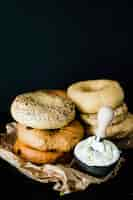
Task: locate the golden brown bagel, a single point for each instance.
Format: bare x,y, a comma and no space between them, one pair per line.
91,95
43,109
35,156
62,140
120,130
120,113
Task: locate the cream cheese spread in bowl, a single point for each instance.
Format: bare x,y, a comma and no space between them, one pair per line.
96,157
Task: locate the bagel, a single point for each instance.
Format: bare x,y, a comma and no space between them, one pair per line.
120,114
35,156
117,131
91,95
43,109
62,140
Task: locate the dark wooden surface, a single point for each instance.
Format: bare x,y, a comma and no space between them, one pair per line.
14,185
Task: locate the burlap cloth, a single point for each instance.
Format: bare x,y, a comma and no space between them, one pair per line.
66,178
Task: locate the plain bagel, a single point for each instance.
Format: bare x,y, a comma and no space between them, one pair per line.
61,140
91,95
43,109
117,131
120,113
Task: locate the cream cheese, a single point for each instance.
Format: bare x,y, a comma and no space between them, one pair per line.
96,153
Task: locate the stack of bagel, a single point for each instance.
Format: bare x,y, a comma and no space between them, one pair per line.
89,96
45,126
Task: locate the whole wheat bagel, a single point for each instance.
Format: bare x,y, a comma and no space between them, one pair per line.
43,109
35,156
91,95
120,113
120,130
62,140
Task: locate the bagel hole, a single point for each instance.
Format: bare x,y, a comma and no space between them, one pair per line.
53,150
29,128
19,152
86,88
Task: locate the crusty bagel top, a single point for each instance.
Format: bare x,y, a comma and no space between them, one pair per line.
89,96
43,109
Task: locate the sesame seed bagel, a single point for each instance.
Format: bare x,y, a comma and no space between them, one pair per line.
43,109
61,140
91,95
120,113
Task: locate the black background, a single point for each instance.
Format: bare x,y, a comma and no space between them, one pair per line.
50,44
